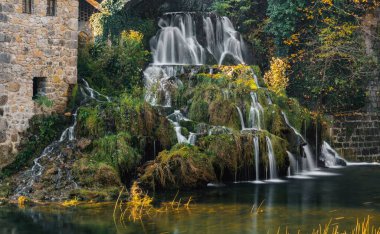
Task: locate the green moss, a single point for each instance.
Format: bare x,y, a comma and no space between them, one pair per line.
116,151
90,122
184,166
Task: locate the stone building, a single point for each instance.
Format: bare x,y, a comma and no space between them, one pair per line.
38,58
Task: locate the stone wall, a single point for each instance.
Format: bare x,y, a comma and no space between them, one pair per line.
34,45
356,136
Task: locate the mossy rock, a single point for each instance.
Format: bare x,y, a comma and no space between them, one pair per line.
183,167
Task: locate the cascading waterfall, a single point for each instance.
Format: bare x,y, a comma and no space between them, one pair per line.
175,119
68,136
257,157
256,113
307,149
272,160
157,85
241,118
293,163
179,43
330,157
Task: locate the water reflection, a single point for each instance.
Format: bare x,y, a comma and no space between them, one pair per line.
296,204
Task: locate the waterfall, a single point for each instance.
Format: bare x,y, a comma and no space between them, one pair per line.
241,118
309,157
307,149
272,160
293,163
257,157
180,41
157,86
175,119
68,135
256,112
330,157
293,128
176,42
91,93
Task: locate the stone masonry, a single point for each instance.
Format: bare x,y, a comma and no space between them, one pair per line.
34,46
356,136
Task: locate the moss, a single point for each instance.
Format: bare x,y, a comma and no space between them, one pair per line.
199,111
90,122
93,174
116,151
109,194
184,166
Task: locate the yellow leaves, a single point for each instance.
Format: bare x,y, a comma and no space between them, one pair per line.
239,74
276,78
293,40
21,200
132,35
70,203
328,2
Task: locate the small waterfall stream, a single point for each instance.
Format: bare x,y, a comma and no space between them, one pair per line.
32,175
330,157
257,157
272,160
307,149
175,119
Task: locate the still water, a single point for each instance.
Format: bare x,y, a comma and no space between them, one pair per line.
296,204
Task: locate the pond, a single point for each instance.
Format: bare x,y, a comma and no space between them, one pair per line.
341,196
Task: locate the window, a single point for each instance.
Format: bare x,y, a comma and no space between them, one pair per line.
27,6
51,7
39,87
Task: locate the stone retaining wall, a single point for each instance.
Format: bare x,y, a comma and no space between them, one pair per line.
34,45
356,136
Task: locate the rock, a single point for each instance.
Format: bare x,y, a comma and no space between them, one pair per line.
3,100
5,58
3,124
3,136
13,87
68,114
4,78
83,143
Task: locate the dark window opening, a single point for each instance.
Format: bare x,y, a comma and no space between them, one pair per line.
39,87
51,7
27,6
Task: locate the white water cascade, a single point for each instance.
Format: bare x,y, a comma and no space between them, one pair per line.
307,149
257,157
256,113
330,157
175,119
293,163
272,160
178,41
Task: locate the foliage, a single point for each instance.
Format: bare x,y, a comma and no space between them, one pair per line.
115,68
276,78
42,131
116,151
113,20
42,100
333,67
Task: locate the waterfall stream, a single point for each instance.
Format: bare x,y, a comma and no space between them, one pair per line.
272,160
53,151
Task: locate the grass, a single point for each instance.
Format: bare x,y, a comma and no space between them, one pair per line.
139,206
